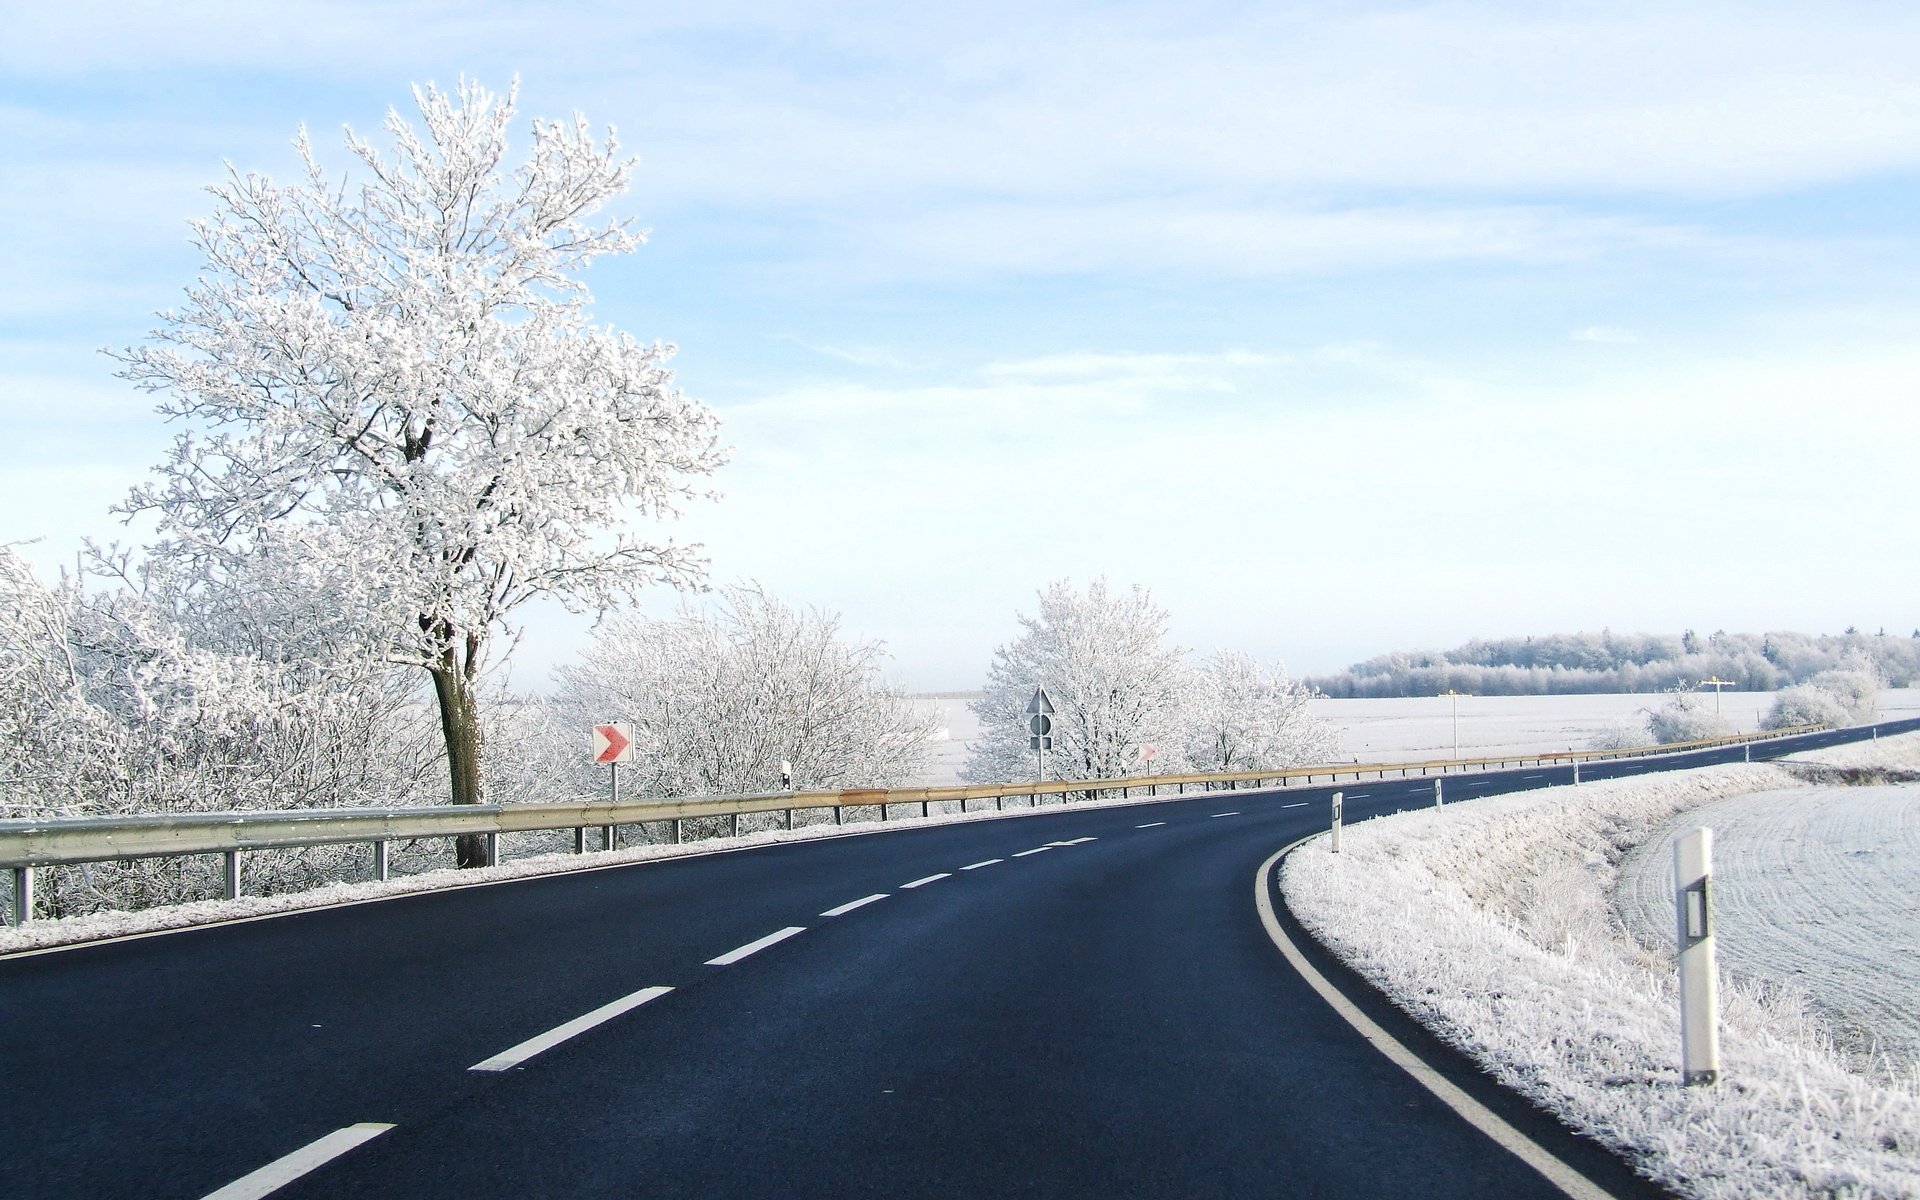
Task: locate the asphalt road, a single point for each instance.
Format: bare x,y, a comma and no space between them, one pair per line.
1080,1002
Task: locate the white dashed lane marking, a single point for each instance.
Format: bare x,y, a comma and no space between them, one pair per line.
1227,814
1302,804
850,905
1035,850
282,1171
923,882
735,955
513,1057
978,865
1150,825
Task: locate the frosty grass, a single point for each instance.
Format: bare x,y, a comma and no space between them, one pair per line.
1492,924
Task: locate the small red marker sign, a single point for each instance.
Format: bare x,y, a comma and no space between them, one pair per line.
613,743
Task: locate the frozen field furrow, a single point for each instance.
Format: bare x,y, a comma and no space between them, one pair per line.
1814,889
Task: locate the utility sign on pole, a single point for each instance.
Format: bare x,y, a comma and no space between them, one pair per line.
1040,727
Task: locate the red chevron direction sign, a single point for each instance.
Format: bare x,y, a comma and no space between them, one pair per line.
613,743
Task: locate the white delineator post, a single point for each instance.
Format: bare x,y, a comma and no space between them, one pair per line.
1438,799
1699,992
1336,821
1576,772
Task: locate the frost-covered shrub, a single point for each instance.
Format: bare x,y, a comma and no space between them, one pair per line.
719,697
151,695
1683,719
1242,715
1624,736
1804,704
1844,695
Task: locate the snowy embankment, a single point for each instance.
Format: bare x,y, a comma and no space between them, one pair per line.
1492,923
1813,892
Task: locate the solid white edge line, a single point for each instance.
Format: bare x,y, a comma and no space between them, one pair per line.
282,1171
1559,1174
1150,825
976,866
850,905
1035,850
513,1056
929,879
755,947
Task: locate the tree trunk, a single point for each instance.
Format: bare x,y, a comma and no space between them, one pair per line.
460,727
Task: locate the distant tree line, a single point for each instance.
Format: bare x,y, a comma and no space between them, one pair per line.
1570,663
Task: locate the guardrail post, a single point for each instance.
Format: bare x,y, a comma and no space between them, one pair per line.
22,895
675,836
733,824
233,874
923,808
836,814
883,810
1699,998
607,839
1337,796
380,861
493,849
788,823
579,839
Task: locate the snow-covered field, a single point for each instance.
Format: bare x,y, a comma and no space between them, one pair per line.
1421,727
1814,891
1493,923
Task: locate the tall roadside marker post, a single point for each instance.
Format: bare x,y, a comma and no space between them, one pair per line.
1699,992
1040,727
1716,683
612,744
1455,697
1337,796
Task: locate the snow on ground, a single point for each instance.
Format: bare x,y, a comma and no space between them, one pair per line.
1421,727
1491,922
1802,882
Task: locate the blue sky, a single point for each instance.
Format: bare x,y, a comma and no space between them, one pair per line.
1344,328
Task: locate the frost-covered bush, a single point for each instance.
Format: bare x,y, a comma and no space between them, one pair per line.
1804,704
150,692
1684,719
1624,736
1239,714
719,697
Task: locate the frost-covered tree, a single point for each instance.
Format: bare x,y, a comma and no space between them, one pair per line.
140,694
1239,714
719,696
1114,681
408,362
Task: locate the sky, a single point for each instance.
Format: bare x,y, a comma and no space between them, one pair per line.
1342,328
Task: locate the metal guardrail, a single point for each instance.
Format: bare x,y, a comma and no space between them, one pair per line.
28,844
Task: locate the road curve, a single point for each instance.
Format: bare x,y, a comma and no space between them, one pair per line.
1081,1002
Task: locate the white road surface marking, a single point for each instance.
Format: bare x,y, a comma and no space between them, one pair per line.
1302,804
510,1058
929,879
734,956
1079,841
1150,825
1035,850
1228,814
282,1171
978,865
1569,1181
850,905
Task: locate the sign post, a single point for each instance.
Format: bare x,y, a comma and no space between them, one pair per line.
1699,992
612,744
1040,727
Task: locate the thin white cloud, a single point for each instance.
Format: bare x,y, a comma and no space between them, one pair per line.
1612,335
